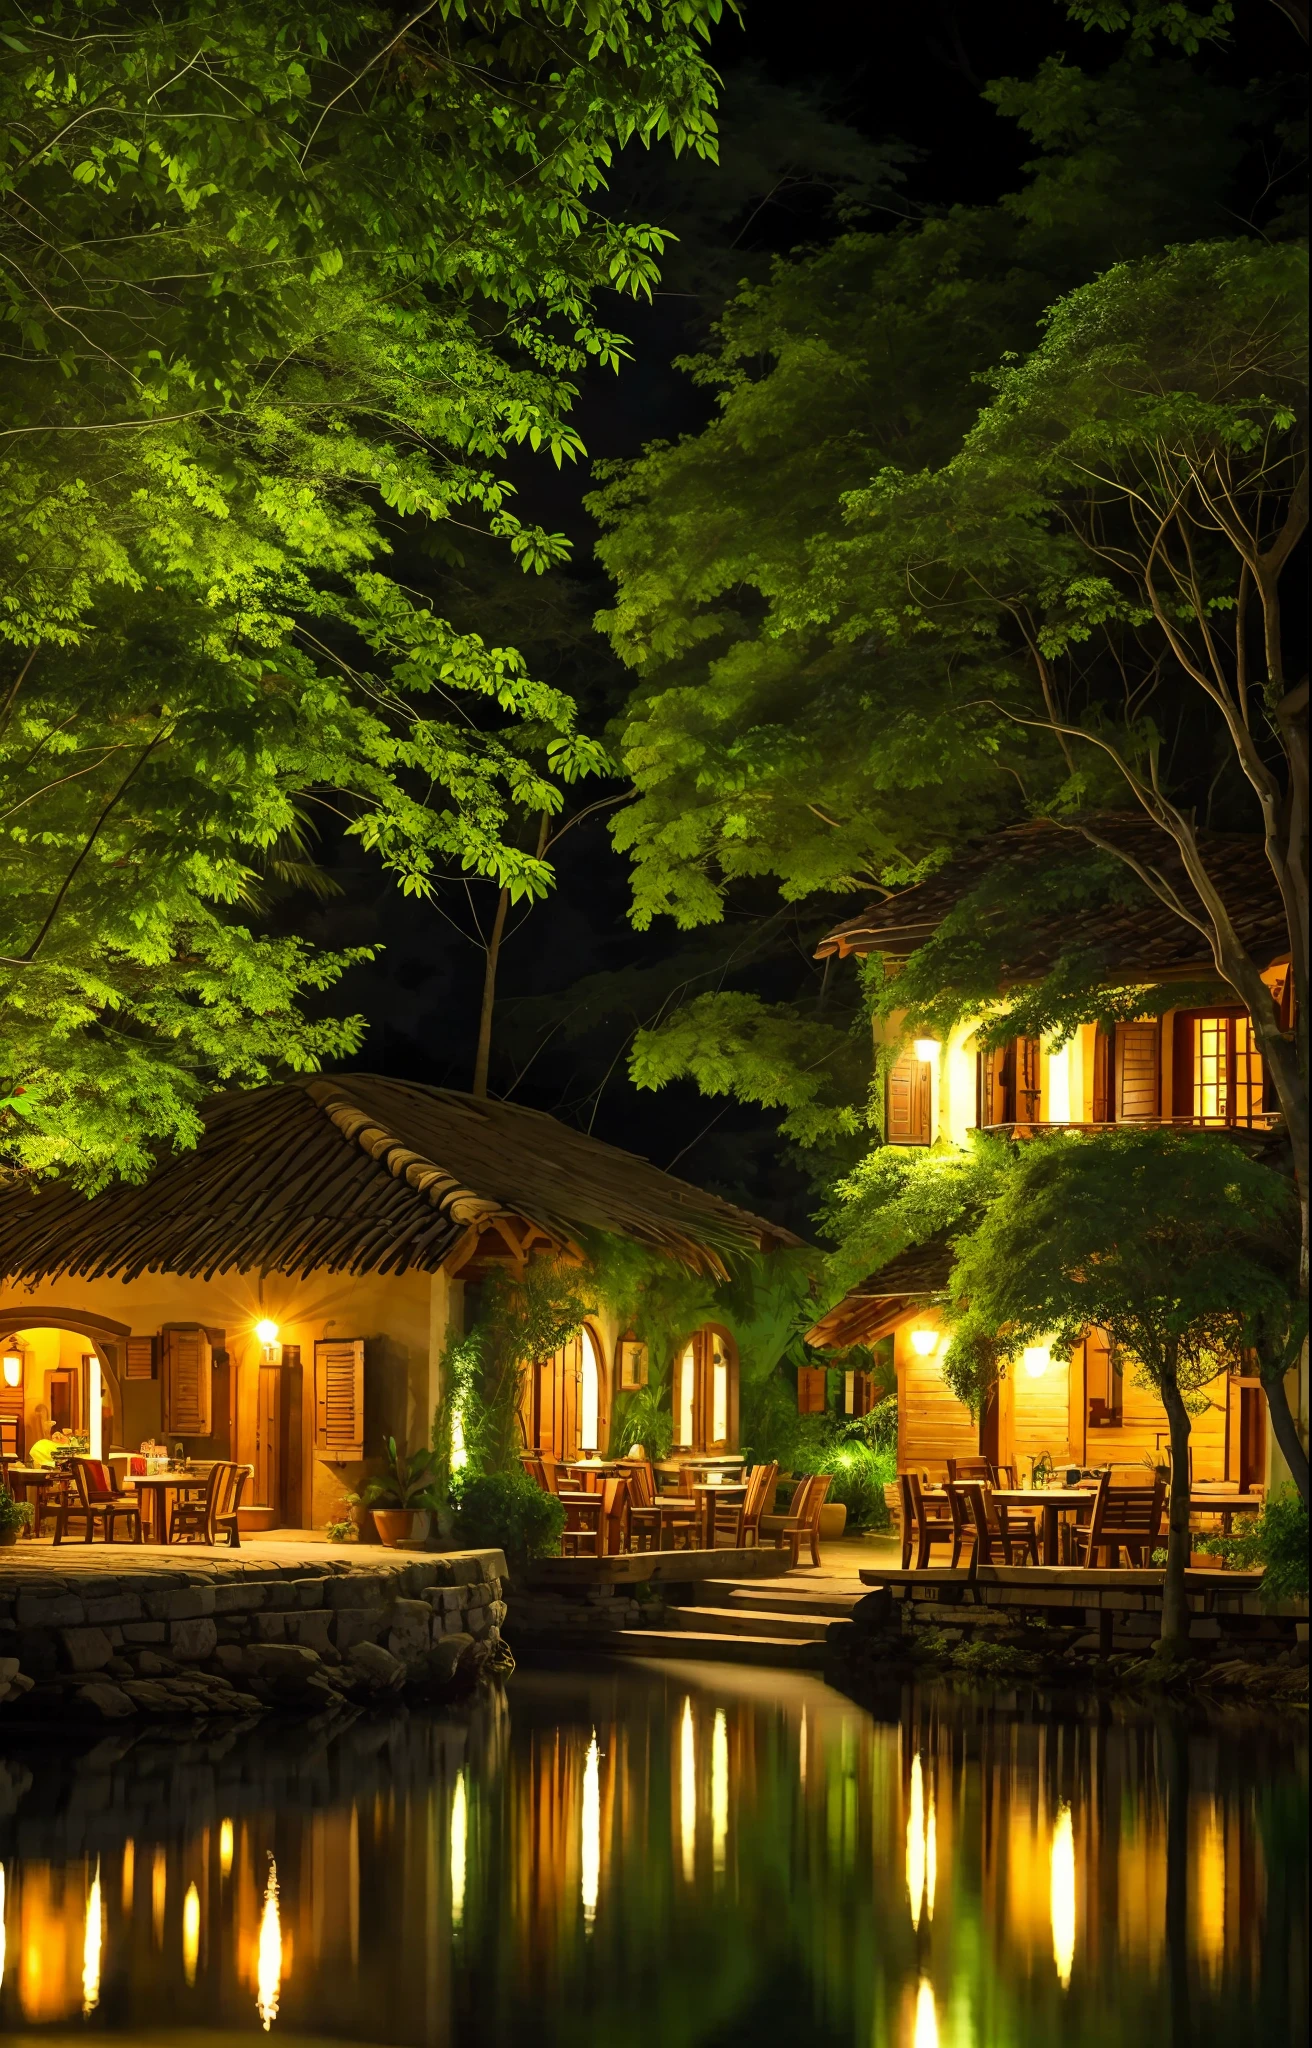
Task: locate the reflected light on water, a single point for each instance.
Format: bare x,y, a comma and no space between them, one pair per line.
159,1892
719,1790
129,1874
459,1847
268,1962
1062,1895
801,1752
926,2034
590,1856
931,1856
190,1933
688,1792
91,1939
225,1848
916,1840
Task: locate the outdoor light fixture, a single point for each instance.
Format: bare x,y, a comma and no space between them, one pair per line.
267,1332
924,1342
13,1368
1036,1358
927,1049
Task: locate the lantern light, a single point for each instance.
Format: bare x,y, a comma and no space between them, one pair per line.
927,1049
924,1342
266,1331
13,1368
1036,1358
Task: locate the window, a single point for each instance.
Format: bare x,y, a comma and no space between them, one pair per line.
589,1392
706,1393
1007,1084
1219,1076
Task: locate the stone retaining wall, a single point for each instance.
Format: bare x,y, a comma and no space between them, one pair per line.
236,1639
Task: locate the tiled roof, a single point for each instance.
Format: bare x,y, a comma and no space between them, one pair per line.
865,1312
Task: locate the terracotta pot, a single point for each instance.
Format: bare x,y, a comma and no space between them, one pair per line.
398,1526
833,1520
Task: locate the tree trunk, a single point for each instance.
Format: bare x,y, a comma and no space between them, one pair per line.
483,1055
1285,1429
1175,1606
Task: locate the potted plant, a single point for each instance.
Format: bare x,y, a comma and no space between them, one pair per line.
404,1500
15,1516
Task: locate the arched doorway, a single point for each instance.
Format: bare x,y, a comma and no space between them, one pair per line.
59,1369
566,1403
705,1392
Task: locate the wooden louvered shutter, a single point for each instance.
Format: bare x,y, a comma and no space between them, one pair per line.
908,1101
140,1359
1104,1079
1138,1066
339,1399
185,1368
810,1390
1182,1063
1029,1097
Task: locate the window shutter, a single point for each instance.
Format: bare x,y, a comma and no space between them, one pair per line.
810,1390
1029,1097
141,1362
908,1101
1137,1073
185,1371
1104,1078
339,1399
1182,1064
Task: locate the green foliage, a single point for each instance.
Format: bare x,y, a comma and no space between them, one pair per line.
507,1511
644,1417
898,1197
860,1476
775,1054
302,277
1276,1540
410,1481
518,1319
14,1514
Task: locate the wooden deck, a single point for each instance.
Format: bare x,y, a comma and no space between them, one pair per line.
1070,1586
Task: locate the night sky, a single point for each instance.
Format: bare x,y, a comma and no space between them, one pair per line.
910,76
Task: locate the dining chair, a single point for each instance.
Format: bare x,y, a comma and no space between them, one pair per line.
96,1499
923,1523
802,1522
214,1513
614,1516
1123,1517
970,1468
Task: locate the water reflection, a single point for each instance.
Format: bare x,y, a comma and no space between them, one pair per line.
667,1857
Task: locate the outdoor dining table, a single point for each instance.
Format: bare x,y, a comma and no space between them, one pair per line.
706,1497
1054,1501
155,1488
1226,1505
39,1481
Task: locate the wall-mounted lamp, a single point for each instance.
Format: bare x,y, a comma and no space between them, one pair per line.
267,1332
13,1368
926,1049
1036,1358
924,1342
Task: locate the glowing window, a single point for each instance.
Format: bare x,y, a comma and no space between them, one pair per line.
719,1393
687,1385
1211,1069
589,1393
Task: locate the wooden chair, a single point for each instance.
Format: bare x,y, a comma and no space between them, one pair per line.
803,1517
614,1516
923,1523
550,1470
96,1499
1123,1517
970,1468
582,1533
740,1521
215,1513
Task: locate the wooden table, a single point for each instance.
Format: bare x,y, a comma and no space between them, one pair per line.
1054,1502
706,1497
39,1480
156,1487
1226,1505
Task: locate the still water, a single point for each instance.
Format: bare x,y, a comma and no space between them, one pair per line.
662,1858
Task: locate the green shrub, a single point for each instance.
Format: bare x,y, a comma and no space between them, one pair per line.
1277,1539
14,1514
860,1476
645,1418
506,1511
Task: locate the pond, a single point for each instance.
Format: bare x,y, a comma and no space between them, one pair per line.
663,1857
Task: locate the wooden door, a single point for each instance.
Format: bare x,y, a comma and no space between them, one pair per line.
1252,1437
908,1102
556,1403
268,1483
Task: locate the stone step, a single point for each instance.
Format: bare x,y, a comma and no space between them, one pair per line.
742,1621
724,1649
836,1601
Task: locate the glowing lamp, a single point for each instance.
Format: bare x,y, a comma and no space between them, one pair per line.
927,1049
924,1342
1036,1358
266,1331
13,1368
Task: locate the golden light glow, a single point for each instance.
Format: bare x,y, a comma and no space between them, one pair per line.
1208,1879
129,1873
13,1369
927,1049
590,1848
688,1792
225,1848
1062,1895
459,1454
268,1963
686,1377
1059,1085
931,1856
92,1935
926,2034
916,1841
159,1891
3,1940
589,1394
924,1342
190,1933
459,1849
1036,1358
719,1393
719,1791
801,1753
266,1331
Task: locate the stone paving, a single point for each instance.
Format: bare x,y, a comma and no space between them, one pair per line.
292,1555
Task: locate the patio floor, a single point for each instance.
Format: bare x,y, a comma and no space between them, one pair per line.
284,1549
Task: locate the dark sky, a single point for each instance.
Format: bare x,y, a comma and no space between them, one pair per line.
907,74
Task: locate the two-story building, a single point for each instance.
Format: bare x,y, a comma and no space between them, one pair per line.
1196,1065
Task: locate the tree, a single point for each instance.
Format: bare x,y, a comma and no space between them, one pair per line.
276,284
1156,1237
